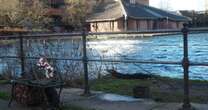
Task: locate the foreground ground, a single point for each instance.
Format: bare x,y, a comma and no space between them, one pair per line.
166,94
73,97
162,89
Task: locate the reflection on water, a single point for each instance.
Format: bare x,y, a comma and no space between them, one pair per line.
162,48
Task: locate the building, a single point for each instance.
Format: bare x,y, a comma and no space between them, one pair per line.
131,15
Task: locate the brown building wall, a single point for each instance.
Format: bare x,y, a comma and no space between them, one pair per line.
138,25
133,25
169,24
142,25
172,25
148,25
100,27
107,26
180,25
120,25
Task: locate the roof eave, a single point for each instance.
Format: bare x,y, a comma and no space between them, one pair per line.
149,18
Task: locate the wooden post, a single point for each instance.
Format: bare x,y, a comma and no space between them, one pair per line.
185,64
85,63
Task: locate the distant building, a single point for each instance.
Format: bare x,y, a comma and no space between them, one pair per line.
131,15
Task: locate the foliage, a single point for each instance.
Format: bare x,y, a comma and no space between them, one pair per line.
4,81
70,70
33,14
30,14
9,12
75,13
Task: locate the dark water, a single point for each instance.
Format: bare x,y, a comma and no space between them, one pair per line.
159,48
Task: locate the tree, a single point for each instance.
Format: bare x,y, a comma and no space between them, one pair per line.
9,12
33,13
26,13
75,12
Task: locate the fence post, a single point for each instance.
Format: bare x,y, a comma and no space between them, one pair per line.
85,64
22,55
185,64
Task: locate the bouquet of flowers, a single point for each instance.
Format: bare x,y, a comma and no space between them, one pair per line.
49,70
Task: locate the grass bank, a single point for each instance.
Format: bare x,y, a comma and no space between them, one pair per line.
162,89
4,95
4,81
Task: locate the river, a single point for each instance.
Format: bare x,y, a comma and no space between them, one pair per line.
159,48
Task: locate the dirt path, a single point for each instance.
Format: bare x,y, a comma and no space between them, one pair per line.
5,88
73,96
4,106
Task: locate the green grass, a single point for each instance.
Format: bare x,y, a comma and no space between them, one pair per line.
4,95
118,86
4,81
7,42
158,90
73,107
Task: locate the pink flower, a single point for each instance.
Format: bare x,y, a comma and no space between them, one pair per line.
49,71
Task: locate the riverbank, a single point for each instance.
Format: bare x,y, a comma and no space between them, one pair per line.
164,95
162,89
72,100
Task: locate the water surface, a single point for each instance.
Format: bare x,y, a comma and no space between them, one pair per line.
156,48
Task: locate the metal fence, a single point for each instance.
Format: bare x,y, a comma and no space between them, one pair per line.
185,62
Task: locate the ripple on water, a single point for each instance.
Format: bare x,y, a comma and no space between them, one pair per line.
162,48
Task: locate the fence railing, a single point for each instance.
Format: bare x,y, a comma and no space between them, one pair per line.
185,62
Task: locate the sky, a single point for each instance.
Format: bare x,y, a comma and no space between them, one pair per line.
174,5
